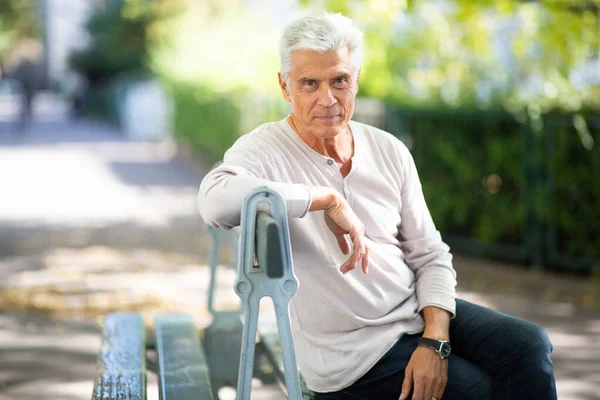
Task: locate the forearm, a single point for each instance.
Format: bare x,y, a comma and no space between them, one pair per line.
425,252
437,323
222,194
431,262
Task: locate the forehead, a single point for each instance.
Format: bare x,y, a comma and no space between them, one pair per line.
312,64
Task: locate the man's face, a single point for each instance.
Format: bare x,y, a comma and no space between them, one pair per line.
322,88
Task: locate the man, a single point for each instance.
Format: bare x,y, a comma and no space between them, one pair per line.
380,331
26,73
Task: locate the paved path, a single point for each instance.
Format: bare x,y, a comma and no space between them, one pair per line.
91,222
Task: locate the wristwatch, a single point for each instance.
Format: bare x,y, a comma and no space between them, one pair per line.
442,347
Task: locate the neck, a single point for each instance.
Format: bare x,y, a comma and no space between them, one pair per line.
339,147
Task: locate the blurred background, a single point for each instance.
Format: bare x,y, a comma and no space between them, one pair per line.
111,111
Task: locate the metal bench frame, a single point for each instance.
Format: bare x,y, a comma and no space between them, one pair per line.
274,277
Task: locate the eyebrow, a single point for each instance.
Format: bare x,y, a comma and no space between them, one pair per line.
343,75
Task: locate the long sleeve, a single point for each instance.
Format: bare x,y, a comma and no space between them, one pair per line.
426,254
247,165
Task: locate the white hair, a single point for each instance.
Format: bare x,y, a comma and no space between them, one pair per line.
320,32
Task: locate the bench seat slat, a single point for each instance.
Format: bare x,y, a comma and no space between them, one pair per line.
183,371
122,360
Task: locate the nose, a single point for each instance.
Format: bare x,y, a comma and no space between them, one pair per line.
326,97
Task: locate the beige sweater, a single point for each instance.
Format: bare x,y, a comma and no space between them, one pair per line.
342,324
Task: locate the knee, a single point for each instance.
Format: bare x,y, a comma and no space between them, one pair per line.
535,341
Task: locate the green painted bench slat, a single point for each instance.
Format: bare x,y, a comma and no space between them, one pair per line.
122,359
183,372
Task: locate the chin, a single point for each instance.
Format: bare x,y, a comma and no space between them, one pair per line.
330,131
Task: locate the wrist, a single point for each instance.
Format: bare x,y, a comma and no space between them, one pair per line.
441,347
437,335
437,323
323,198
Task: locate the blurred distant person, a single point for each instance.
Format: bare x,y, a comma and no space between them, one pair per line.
395,330
76,86
26,74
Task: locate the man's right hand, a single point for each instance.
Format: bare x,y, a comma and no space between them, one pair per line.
341,221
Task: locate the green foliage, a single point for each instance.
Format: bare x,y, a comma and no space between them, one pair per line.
207,121
122,32
470,178
486,54
210,122
221,87
18,20
208,46
491,178
119,44
574,168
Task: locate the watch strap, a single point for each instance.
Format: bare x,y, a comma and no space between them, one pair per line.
430,343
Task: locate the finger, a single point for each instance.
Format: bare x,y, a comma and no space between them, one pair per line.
438,393
428,391
347,266
350,264
406,385
365,260
354,258
343,243
359,247
418,388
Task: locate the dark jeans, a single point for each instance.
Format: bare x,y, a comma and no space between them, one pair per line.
494,356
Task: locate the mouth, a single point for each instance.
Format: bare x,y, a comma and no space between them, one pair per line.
326,117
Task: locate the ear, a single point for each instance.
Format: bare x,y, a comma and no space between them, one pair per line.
284,88
358,76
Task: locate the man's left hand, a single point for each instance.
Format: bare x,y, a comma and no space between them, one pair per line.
426,374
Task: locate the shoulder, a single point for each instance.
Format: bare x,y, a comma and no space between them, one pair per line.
264,136
260,146
267,130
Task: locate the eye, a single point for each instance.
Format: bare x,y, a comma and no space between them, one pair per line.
310,85
340,82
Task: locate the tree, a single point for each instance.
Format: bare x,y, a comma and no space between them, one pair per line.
122,31
18,20
476,54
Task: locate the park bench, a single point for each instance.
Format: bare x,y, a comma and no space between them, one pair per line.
189,368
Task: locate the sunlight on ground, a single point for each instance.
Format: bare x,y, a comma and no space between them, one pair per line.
98,280
77,173
79,187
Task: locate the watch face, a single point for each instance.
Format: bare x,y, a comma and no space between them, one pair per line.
445,350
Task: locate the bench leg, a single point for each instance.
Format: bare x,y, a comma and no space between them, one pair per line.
244,386
287,349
